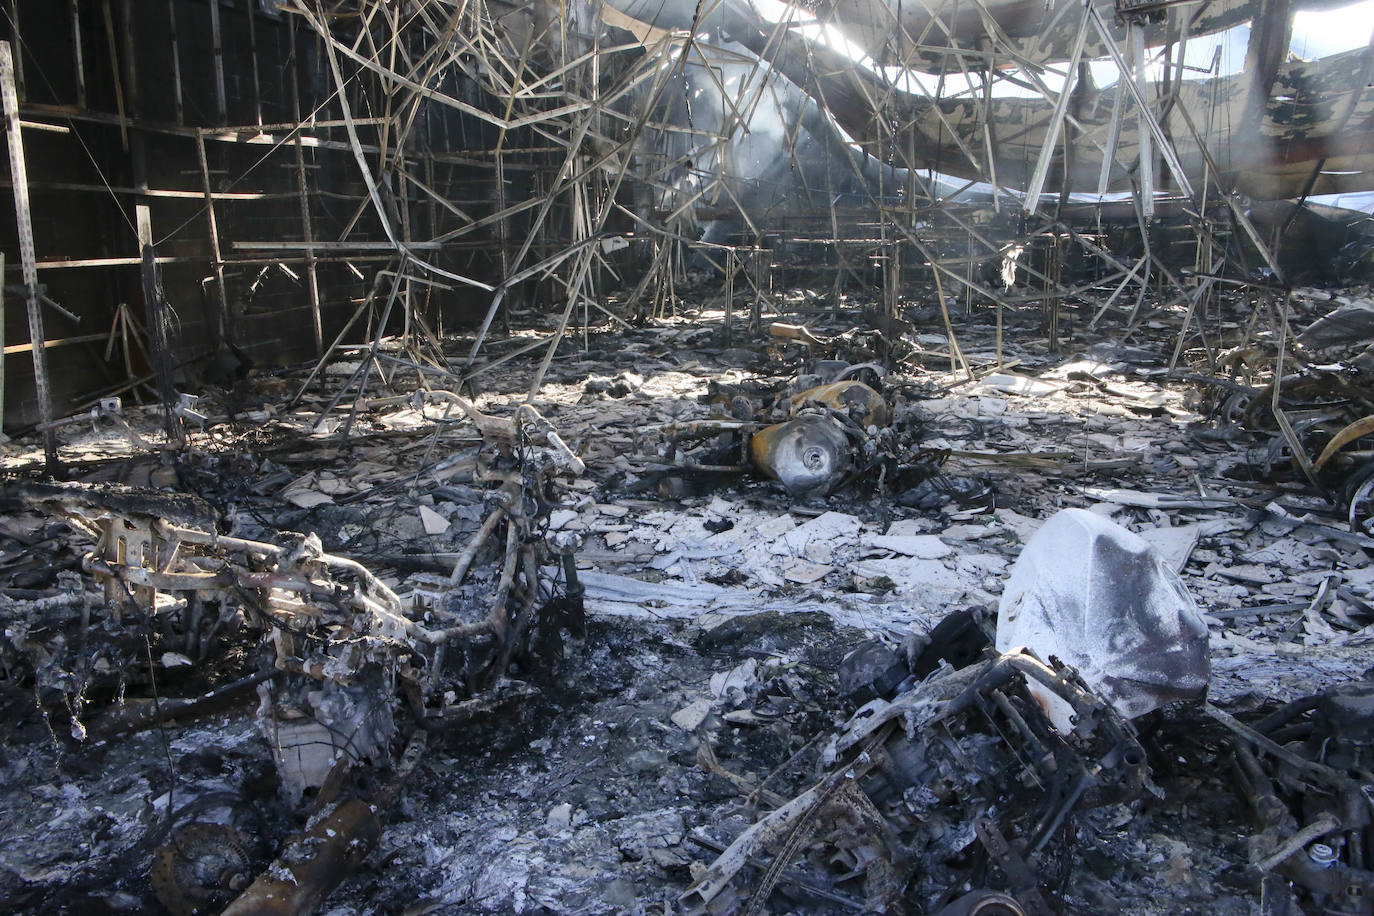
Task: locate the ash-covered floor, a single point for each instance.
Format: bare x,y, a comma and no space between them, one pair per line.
603,768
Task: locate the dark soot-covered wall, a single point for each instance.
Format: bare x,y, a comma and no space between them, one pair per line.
87,180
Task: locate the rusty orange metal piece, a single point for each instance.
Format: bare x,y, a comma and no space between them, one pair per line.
854,399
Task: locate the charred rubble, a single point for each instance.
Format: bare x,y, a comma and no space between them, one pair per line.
717,458
667,672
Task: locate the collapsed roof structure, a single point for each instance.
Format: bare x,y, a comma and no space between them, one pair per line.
488,147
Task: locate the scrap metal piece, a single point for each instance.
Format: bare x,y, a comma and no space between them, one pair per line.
133,715
507,432
1343,727
94,502
776,826
856,400
1013,865
810,454
201,868
873,669
958,639
1322,784
1358,496
312,866
795,332
313,726
314,863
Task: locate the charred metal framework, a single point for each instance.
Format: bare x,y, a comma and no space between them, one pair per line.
330,619
443,164
347,667
967,743
202,187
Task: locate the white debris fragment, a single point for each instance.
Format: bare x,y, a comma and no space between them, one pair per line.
1084,367
774,527
559,817
1023,526
331,484
434,522
981,564
825,532
722,508
913,575
804,572
739,677
1143,500
561,518
921,546
967,532
306,499
903,527
1175,545
1010,383
693,714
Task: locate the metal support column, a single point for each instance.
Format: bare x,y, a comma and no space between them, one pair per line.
19,178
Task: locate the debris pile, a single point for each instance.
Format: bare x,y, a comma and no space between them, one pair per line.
811,457
345,669
1033,641
959,781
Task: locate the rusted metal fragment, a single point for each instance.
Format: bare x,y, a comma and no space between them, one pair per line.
314,864
335,844
201,868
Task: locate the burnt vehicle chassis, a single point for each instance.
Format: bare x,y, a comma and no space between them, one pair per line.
347,671
949,795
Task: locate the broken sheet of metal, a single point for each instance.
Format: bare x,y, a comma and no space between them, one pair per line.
1099,598
937,786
